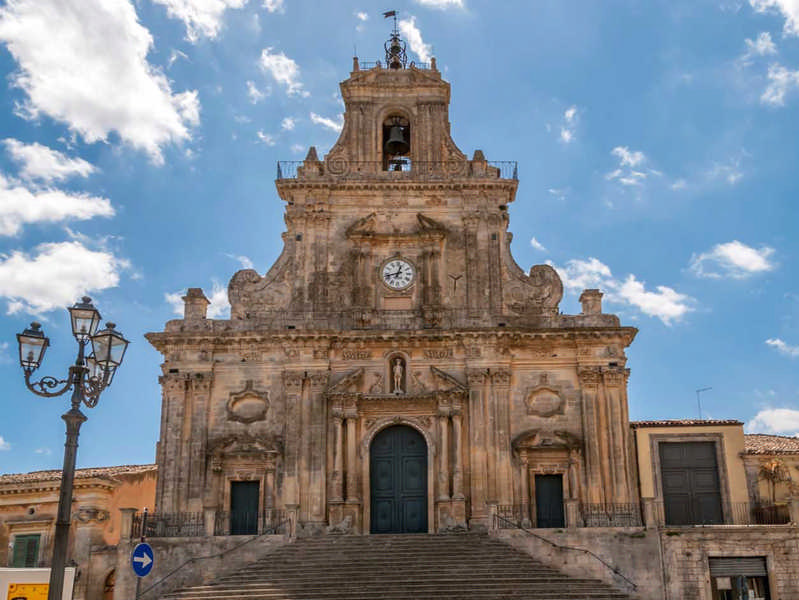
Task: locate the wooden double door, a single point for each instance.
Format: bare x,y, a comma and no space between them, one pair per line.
398,481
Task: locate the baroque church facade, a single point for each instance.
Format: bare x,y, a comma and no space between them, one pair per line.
395,370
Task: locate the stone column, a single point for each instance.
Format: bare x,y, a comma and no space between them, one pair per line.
173,390
500,380
201,384
317,446
590,379
457,465
292,384
269,492
352,455
337,487
615,391
478,453
525,481
473,291
443,455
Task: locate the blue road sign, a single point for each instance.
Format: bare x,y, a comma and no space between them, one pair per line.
142,559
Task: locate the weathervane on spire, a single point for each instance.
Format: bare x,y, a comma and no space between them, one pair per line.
396,57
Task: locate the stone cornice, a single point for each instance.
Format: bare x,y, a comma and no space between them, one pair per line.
332,183
508,337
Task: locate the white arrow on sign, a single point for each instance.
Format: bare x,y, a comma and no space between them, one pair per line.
144,560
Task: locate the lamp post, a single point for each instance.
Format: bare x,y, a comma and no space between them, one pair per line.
87,379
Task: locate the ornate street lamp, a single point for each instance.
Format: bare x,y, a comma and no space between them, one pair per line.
87,379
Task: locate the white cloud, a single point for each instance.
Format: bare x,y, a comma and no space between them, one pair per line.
203,18
328,123
569,125
781,81
45,164
788,8
218,307
537,245
775,421
762,46
679,184
44,451
441,4
55,275
254,94
274,6
361,16
730,172
174,56
665,303
283,70
786,349
244,261
627,157
20,206
266,138
4,445
288,124
411,33
559,193
297,148
84,63
733,260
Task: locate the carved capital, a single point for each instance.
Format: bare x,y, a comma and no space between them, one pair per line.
319,379
501,378
89,514
590,376
201,382
292,381
616,376
476,377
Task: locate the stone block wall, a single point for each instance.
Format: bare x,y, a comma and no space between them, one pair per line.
171,553
686,553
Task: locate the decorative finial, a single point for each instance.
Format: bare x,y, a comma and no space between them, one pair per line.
396,57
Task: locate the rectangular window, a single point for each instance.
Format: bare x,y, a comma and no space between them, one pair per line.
739,578
26,551
691,485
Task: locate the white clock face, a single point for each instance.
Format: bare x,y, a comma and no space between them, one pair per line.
398,274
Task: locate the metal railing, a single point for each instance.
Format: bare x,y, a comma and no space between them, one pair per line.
371,64
159,525
611,515
247,523
279,527
745,514
502,523
399,168
514,515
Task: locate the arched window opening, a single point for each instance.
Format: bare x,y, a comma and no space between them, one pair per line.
108,587
396,144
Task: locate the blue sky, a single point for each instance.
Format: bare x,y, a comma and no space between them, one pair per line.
657,149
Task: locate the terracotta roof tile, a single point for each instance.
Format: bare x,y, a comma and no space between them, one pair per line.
55,474
762,443
684,423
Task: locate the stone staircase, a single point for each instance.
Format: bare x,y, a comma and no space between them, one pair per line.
398,567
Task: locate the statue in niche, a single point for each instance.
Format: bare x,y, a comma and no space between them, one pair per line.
398,373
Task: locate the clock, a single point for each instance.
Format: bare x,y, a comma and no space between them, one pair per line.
398,274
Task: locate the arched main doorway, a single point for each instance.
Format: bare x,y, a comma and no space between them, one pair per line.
398,481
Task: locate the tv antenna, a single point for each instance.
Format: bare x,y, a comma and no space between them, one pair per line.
699,399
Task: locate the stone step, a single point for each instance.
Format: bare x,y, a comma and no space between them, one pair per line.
398,567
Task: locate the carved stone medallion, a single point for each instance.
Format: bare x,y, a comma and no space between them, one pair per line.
248,405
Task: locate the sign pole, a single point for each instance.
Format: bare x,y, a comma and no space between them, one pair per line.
143,529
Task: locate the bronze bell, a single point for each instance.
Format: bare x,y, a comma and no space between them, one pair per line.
396,144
